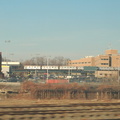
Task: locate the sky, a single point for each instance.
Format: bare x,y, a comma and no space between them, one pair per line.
69,28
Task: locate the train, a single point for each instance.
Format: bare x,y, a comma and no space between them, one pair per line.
66,67
53,67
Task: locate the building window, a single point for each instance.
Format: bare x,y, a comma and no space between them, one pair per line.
104,63
104,59
105,74
110,74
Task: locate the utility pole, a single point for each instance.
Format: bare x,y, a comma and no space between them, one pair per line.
47,65
7,41
118,70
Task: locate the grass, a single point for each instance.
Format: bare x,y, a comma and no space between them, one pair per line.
24,102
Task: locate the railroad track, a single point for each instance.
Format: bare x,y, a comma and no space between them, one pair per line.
82,111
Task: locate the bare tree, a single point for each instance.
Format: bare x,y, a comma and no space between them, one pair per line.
43,61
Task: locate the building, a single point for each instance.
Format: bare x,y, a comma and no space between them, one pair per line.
7,67
111,58
5,70
1,74
86,61
107,74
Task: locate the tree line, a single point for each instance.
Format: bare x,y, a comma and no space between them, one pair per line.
58,61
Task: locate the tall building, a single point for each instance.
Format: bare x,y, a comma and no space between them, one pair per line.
111,58
86,61
0,61
1,74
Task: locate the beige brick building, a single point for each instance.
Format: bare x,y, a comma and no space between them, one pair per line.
111,58
87,61
106,74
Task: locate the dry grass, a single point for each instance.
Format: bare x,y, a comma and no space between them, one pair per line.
26,99
24,102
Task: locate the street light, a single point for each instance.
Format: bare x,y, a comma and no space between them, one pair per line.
37,63
7,41
68,64
47,65
118,70
11,56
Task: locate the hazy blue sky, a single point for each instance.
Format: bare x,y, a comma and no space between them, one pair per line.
69,28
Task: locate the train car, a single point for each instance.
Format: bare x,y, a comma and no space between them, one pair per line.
67,68
80,68
50,67
108,68
111,68
32,67
116,68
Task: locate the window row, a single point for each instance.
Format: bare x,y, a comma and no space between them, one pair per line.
81,63
104,59
106,74
104,63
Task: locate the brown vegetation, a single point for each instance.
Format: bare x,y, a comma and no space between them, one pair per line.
69,91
